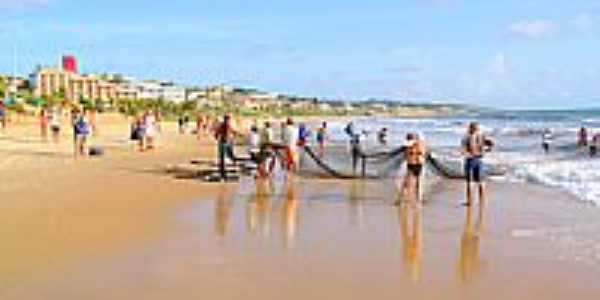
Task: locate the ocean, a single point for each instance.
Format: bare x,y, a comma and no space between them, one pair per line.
517,136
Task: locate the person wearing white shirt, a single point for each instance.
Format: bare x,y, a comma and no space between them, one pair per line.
289,137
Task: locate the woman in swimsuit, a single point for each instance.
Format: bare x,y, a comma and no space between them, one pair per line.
415,159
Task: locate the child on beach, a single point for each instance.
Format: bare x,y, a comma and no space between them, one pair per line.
474,145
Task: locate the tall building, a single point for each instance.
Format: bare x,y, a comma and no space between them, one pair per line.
69,63
53,81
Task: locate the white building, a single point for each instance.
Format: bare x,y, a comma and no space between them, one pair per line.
152,90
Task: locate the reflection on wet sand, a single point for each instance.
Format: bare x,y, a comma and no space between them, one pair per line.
259,208
223,207
411,229
290,212
356,195
470,264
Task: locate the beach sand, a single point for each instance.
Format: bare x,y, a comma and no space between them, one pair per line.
118,228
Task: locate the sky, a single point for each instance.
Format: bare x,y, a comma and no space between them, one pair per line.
504,54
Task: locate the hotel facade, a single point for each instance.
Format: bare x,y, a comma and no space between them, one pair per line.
51,81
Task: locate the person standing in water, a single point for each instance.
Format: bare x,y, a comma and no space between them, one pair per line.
321,139
355,148
582,140
595,145
254,144
267,140
224,135
415,159
382,136
474,145
546,140
290,142
303,135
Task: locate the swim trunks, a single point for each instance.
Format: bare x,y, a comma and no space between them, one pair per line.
415,169
473,169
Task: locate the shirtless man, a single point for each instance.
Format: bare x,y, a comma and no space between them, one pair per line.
415,159
474,145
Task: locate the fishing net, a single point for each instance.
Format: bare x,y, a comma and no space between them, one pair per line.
337,161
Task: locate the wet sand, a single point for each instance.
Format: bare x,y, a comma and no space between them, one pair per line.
116,229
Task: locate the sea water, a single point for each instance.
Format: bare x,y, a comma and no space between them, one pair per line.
517,136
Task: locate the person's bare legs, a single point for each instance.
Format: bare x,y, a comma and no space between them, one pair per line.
469,194
405,186
419,187
83,147
481,193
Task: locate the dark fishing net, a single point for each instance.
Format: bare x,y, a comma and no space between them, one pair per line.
337,162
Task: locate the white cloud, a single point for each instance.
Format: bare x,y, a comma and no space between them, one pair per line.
533,29
583,22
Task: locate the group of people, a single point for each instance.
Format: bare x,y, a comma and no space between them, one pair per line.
51,120
474,145
583,141
263,146
145,129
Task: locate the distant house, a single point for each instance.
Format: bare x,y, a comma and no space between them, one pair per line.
152,90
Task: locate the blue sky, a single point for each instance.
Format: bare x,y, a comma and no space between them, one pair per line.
512,54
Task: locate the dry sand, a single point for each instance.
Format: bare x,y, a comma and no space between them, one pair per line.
115,228
56,211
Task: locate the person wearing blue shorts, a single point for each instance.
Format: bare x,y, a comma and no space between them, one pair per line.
474,145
